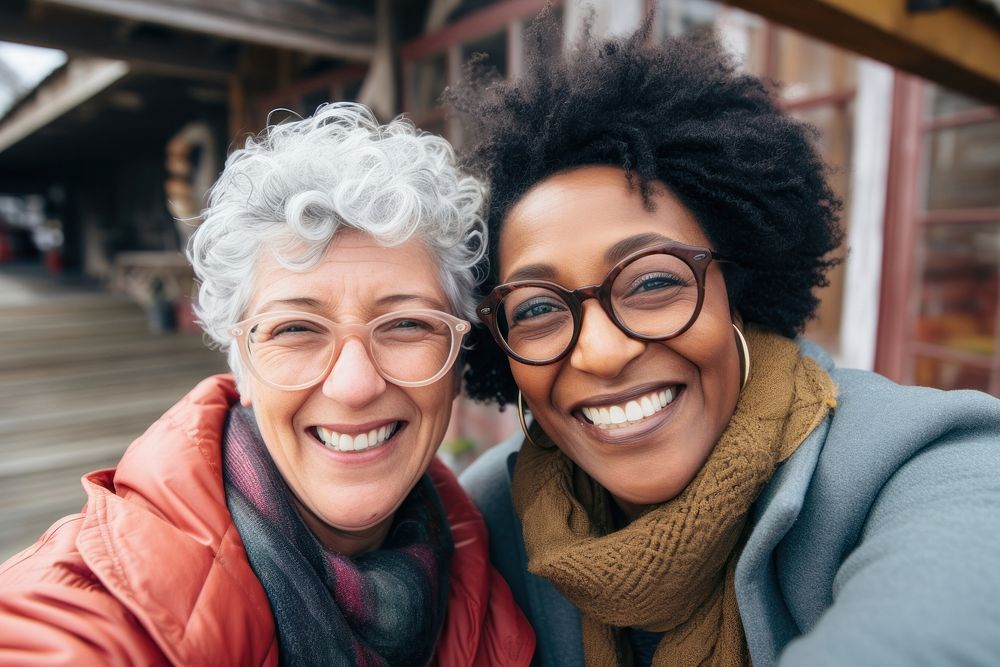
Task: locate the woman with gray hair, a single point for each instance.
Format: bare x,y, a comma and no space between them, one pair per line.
293,512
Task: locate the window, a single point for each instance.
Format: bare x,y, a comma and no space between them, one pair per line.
304,97
435,60
493,47
963,165
939,323
429,76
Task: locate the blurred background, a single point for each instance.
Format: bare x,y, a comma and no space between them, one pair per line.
116,116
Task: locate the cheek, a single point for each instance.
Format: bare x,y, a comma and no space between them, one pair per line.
714,340
434,409
535,382
719,369
715,348
433,403
539,386
275,411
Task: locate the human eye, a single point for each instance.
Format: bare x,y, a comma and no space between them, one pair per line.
653,280
535,308
290,328
286,329
411,327
404,324
656,281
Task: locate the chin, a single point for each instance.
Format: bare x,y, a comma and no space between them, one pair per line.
358,527
652,491
360,523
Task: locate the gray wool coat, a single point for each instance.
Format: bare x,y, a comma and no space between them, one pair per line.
876,543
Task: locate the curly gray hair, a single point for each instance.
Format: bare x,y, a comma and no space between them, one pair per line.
292,187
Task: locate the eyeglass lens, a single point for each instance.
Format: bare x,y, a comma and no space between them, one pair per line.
654,296
290,352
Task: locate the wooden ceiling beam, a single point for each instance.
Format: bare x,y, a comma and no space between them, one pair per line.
204,18
950,46
80,80
100,40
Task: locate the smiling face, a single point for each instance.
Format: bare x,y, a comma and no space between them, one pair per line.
348,497
571,229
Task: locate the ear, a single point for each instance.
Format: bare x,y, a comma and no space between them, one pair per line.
245,399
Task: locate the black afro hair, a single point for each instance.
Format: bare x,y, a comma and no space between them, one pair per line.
679,112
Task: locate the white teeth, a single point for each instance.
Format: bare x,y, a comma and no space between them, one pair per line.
631,412
346,443
617,415
647,406
361,441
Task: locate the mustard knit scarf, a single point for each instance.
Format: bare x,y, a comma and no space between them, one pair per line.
670,570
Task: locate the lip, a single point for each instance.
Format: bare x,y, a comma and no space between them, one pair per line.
367,456
358,429
622,396
629,435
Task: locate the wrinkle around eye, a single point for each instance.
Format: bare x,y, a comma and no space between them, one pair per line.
663,282
523,310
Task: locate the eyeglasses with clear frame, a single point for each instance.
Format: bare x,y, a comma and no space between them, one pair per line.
294,350
654,294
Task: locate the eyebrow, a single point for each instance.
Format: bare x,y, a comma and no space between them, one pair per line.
428,301
390,300
306,301
612,255
626,247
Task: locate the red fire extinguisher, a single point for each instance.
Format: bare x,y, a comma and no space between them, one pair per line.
6,247
54,260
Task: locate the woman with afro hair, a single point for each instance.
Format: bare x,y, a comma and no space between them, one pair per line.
697,486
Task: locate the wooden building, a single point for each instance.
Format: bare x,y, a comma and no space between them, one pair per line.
123,138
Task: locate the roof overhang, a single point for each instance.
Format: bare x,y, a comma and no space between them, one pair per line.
336,29
196,48
949,43
67,88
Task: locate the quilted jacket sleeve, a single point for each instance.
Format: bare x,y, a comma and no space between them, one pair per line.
53,611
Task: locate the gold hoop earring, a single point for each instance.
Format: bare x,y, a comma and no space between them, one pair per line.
520,416
744,353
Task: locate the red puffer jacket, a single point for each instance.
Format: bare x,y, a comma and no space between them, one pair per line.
153,570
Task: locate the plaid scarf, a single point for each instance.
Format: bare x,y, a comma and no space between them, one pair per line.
385,607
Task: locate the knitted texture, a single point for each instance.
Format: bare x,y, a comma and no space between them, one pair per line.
672,569
385,607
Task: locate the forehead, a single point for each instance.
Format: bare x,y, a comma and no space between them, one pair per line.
355,269
568,222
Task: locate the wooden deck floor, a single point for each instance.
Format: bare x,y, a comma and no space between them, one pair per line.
80,378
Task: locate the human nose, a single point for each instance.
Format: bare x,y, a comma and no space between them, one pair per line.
602,348
353,380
